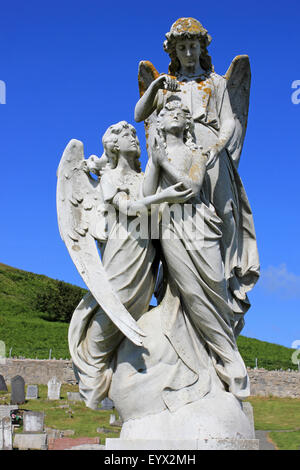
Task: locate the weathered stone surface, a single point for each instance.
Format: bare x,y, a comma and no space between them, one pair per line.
74,396
277,383
3,386
24,441
5,434
33,421
35,371
17,390
203,444
54,386
6,409
32,392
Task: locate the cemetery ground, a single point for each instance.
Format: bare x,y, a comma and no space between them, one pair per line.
279,417
72,417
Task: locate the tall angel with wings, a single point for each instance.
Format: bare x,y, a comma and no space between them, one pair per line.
195,125
219,108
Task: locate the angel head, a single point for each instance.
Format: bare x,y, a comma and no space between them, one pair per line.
187,30
175,117
121,138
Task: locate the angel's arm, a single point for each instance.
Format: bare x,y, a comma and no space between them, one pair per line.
151,178
147,103
132,208
193,179
227,125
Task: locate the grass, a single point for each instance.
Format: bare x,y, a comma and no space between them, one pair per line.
65,415
279,416
26,330
289,440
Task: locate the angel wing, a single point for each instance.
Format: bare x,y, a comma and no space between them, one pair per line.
238,78
147,73
79,201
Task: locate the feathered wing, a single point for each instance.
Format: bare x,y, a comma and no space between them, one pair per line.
238,78
79,202
147,73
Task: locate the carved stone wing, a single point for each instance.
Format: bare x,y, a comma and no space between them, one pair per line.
78,202
239,78
146,75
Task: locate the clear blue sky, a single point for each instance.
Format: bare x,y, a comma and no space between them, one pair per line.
70,69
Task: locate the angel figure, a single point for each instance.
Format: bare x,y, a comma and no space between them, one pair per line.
122,280
219,108
191,243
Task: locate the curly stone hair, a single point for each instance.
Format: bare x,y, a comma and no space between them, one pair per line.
189,138
187,28
110,140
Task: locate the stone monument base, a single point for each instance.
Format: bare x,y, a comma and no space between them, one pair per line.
189,444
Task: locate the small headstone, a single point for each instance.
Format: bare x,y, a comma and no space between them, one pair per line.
54,386
32,392
17,390
3,387
7,433
107,404
33,421
74,396
113,421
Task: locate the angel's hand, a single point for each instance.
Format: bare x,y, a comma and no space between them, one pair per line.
173,195
211,154
158,151
166,82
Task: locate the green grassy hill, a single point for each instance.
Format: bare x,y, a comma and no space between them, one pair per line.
31,304
25,324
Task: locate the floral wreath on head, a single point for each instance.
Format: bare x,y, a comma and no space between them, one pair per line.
187,28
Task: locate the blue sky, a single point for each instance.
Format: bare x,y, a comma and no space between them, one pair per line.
70,69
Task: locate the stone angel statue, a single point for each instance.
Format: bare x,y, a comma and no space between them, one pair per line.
219,108
121,281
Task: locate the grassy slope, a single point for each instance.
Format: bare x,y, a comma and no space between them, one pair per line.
24,329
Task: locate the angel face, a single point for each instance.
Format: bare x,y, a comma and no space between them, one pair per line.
188,52
128,142
173,120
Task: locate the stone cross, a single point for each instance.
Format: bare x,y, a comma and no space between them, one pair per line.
54,386
17,390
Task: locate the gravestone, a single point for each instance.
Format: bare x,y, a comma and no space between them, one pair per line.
107,404
3,387
54,386
5,410
17,390
32,392
38,441
74,396
33,422
5,434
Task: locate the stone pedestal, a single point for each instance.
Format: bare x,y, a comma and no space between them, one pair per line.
201,444
24,441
